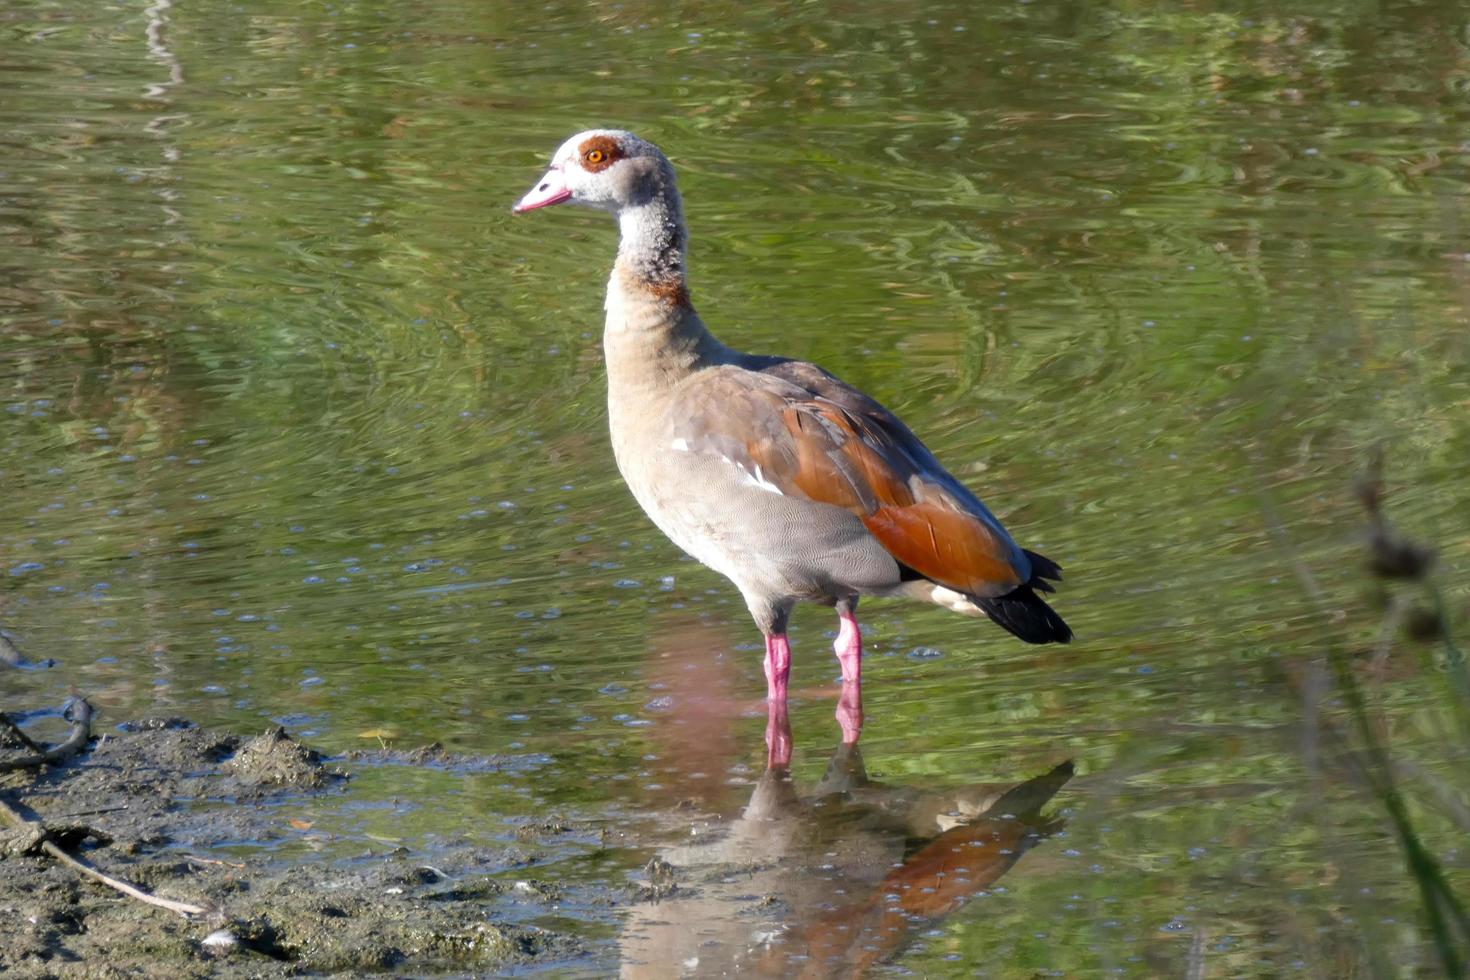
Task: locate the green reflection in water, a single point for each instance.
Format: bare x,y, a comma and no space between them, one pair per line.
300,424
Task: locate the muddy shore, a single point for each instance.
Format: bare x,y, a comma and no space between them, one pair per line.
158,802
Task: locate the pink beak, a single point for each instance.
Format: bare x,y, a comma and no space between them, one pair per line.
552,189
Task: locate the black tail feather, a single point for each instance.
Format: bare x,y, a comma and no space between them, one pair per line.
1043,567
1023,613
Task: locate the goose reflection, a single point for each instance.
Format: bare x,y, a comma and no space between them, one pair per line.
828,881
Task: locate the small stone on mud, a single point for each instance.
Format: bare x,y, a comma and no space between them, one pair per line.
661,883
276,759
413,877
168,724
540,889
432,752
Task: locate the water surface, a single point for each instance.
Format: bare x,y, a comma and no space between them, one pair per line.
300,425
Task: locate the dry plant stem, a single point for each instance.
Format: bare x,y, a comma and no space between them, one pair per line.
1448,920
86,867
79,713
1393,620
1454,656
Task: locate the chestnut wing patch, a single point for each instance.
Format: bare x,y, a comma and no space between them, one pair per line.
850,452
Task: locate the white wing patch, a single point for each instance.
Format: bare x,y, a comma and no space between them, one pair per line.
756,479
952,600
752,479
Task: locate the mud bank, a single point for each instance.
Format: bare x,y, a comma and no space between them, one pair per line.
159,802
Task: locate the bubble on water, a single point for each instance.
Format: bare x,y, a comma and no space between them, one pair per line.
925,653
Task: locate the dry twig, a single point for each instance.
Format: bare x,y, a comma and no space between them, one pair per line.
79,713
49,846
196,859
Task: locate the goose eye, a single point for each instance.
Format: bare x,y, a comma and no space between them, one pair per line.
595,156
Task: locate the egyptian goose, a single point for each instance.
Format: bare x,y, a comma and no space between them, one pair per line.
792,484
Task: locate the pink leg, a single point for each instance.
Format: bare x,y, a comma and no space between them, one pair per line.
778,667
849,648
778,736
850,712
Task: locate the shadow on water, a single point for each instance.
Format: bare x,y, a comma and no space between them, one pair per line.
829,879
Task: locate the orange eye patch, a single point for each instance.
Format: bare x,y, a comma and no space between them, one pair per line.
599,153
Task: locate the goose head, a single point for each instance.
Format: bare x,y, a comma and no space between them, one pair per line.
601,168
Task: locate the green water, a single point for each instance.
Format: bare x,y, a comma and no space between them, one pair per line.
299,423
